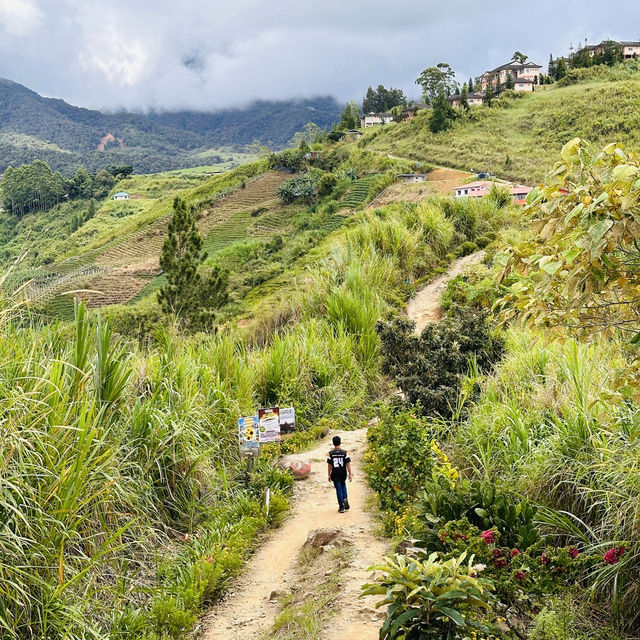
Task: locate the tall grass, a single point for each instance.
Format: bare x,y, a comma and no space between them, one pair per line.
551,425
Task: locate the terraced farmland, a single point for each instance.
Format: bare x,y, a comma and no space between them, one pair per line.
135,260
356,196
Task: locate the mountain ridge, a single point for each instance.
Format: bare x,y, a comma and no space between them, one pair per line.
152,142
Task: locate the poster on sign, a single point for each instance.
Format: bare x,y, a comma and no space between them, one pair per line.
249,436
269,423
287,420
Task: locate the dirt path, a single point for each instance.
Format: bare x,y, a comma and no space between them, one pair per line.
425,306
247,613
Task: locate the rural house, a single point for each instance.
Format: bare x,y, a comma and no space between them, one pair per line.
481,188
629,49
374,119
121,195
412,177
473,99
410,112
524,75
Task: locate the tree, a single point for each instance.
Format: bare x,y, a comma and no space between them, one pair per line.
350,117
464,97
520,57
383,99
188,295
559,69
471,86
552,66
580,270
442,115
509,83
438,80
488,94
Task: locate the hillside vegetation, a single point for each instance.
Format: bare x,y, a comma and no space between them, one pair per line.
66,137
520,136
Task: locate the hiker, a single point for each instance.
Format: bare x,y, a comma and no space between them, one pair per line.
339,465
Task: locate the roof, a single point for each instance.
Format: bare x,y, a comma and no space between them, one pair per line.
377,115
515,66
410,175
120,193
475,185
522,80
520,189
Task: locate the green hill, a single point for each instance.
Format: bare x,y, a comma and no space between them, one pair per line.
33,127
519,137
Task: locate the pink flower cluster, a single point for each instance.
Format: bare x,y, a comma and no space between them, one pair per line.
614,554
489,536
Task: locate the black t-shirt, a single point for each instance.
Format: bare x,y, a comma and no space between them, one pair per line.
338,460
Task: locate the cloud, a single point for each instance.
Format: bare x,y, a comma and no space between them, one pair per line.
209,54
19,17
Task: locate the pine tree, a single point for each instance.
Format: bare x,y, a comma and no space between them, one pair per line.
187,295
464,97
442,115
471,87
509,84
488,95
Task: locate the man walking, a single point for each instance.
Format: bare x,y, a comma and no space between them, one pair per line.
338,466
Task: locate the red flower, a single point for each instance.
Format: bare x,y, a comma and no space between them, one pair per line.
500,563
544,559
489,536
614,554
519,575
573,552
514,552
497,553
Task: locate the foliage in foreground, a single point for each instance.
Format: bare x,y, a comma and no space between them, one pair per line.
580,267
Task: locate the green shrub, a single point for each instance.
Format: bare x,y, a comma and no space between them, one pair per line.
431,598
465,249
429,368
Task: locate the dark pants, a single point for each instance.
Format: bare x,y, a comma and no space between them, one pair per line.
341,491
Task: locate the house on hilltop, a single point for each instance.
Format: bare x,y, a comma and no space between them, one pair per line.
481,188
524,76
374,119
121,195
628,49
473,99
410,112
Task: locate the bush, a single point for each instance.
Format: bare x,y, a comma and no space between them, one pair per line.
430,598
429,368
466,249
291,159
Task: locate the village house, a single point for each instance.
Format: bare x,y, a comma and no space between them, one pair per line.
477,189
412,178
374,119
481,188
473,99
524,75
629,49
410,112
121,195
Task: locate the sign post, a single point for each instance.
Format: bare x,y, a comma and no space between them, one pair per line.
249,438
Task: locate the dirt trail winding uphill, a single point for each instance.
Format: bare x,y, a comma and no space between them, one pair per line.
425,306
247,613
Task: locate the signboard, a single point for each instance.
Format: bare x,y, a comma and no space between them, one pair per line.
249,435
269,424
287,419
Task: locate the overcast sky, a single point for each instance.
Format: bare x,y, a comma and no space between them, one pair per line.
207,54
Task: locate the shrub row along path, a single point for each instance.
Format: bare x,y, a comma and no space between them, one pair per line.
248,612
425,306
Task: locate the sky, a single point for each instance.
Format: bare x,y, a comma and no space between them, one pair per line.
209,54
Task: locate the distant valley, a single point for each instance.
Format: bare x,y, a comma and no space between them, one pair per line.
67,137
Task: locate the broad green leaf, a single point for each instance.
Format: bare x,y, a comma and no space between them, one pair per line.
454,615
636,339
550,265
625,172
597,231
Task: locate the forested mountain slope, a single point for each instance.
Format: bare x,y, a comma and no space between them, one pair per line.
33,127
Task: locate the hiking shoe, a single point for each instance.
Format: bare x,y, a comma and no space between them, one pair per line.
341,510
346,505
